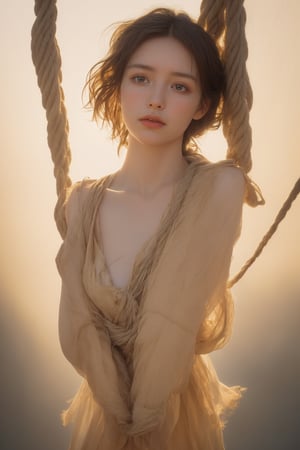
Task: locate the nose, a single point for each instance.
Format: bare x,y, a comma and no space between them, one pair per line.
156,100
155,105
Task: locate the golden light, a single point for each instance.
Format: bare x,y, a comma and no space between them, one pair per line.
261,353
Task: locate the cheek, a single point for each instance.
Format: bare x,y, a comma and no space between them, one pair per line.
128,98
186,110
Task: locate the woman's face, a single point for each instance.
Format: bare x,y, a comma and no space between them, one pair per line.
160,92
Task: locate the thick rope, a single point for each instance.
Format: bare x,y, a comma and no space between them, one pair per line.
280,216
47,61
212,19
225,21
238,97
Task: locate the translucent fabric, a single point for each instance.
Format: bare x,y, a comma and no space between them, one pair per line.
147,382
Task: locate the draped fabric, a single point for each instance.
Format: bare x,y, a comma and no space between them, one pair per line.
148,383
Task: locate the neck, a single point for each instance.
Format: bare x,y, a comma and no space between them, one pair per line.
148,169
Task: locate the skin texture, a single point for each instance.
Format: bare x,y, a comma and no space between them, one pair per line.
160,95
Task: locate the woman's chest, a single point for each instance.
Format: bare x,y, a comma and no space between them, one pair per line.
127,222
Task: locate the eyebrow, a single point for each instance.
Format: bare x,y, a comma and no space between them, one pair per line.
151,69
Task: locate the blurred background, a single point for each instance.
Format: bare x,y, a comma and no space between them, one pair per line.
263,354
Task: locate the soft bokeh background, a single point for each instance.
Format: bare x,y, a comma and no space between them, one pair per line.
263,354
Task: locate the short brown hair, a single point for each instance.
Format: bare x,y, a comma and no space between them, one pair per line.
104,79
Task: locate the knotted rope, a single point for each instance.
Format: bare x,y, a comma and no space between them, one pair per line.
47,61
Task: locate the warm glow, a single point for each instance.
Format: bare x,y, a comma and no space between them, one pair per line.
267,298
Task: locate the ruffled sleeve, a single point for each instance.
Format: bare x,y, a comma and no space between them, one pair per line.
185,291
87,347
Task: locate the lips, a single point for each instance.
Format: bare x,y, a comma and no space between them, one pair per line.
152,121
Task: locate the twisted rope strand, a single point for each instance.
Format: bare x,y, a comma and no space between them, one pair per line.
238,97
225,21
212,16
280,216
47,61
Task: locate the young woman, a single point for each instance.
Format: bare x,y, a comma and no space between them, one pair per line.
146,258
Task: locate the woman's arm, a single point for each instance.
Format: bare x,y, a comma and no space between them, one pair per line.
87,347
188,281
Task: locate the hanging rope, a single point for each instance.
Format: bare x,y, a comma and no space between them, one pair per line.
225,21
47,61
280,216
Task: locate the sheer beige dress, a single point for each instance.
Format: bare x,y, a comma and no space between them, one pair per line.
147,384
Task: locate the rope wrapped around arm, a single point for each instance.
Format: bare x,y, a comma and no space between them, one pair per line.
47,61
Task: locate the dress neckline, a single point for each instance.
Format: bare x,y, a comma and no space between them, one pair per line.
148,244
